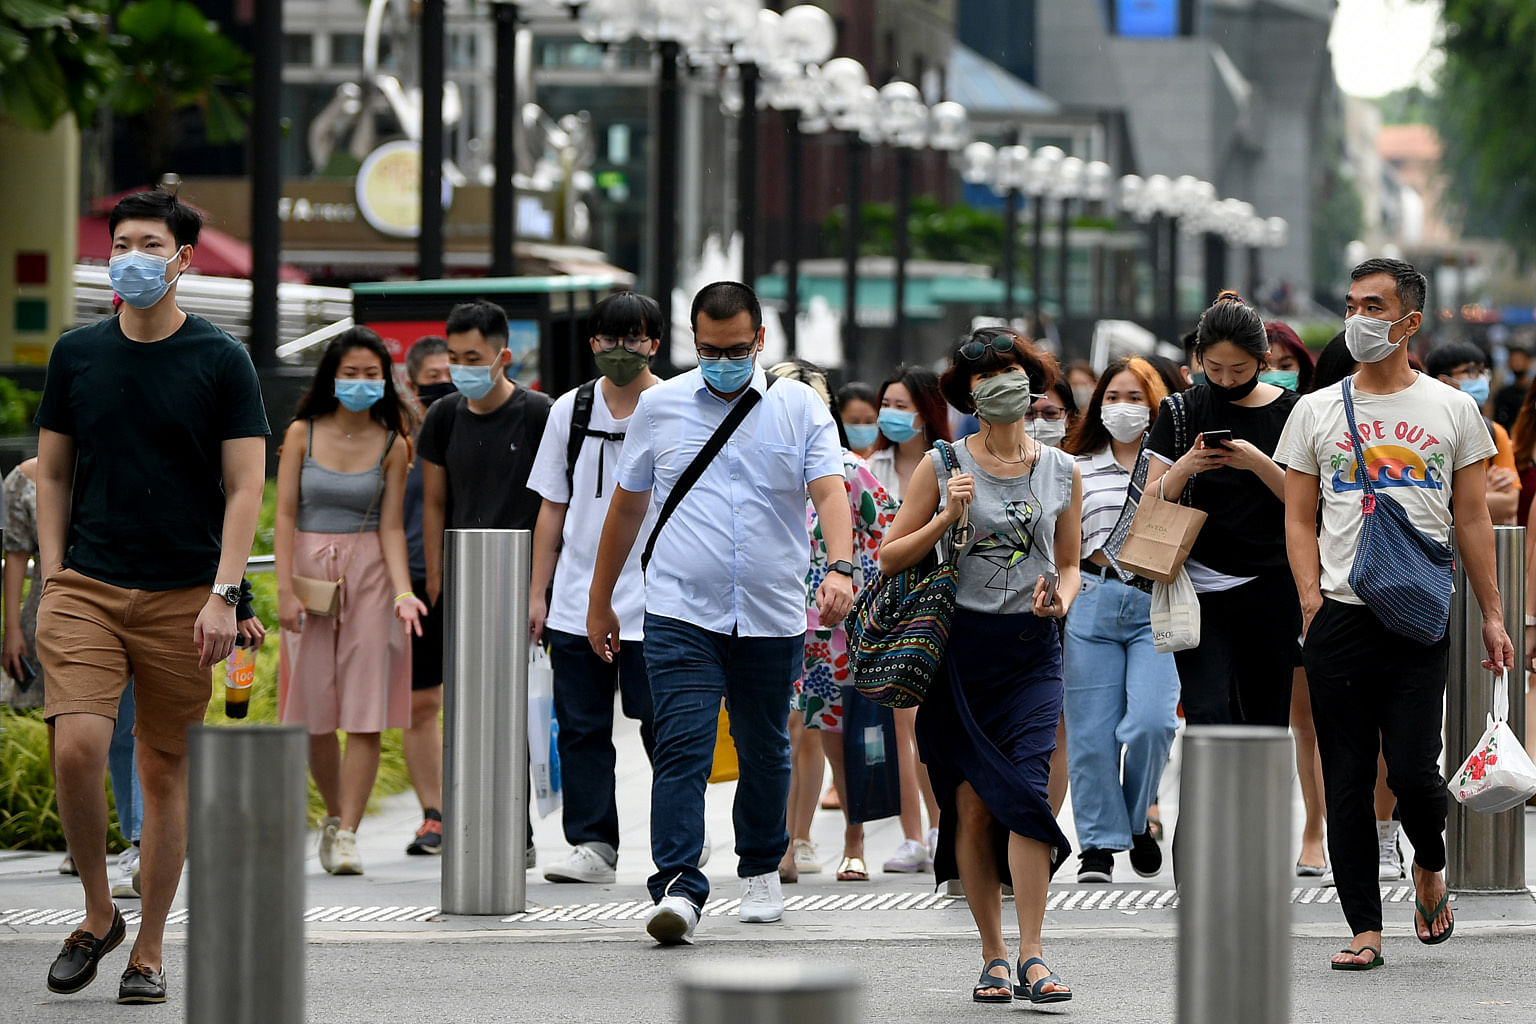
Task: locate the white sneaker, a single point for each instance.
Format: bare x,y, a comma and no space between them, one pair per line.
328,829
124,885
672,921
344,856
807,860
933,844
1389,852
911,856
585,864
762,899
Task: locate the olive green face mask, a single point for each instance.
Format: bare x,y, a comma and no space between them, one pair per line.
621,365
1003,398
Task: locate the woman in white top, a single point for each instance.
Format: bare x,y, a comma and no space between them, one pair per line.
913,418
1121,694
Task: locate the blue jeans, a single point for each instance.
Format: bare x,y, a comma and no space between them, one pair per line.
1121,697
125,774
690,670
584,686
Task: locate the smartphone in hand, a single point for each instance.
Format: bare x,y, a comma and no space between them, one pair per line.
1052,580
1216,438
28,673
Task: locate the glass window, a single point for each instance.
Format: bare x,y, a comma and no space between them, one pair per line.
347,49
298,49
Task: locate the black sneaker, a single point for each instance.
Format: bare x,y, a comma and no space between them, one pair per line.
141,984
1096,866
1146,855
75,966
429,837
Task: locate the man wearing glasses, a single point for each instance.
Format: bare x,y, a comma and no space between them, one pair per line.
574,473
724,593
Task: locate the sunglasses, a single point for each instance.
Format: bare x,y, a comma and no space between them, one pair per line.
974,350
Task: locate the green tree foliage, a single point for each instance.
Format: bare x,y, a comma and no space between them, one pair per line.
55,60
935,232
1486,116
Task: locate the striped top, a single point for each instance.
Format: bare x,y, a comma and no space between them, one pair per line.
1105,483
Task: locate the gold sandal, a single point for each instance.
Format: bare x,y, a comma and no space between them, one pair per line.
852,869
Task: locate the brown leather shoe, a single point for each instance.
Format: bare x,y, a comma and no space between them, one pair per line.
141,984
75,966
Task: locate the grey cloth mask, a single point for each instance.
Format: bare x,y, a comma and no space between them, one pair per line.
1003,398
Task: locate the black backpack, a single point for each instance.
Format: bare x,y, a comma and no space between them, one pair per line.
581,429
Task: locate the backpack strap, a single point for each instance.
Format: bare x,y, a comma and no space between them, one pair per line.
581,429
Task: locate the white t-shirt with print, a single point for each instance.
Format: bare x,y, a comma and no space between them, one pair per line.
584,517
1413,440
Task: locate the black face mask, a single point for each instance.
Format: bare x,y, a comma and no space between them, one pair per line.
1232,394
429,393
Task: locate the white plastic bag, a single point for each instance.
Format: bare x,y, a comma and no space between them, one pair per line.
1175,615
1499,774
543,733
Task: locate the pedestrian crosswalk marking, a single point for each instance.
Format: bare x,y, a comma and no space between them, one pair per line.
1060,901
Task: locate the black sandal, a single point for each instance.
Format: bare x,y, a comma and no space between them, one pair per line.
988,980
1032,990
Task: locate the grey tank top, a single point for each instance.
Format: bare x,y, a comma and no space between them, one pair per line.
335,502
1014,524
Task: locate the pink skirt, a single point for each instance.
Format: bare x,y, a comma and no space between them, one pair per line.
352,671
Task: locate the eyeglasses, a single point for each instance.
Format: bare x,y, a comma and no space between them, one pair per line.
1051,415
633,343
974,350
710,353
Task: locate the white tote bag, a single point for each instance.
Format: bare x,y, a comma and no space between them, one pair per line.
1175,615
1499,774
543,733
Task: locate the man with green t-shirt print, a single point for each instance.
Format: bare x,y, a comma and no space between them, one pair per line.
151,459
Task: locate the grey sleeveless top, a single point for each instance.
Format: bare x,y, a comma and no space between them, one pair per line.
1014,524
335,502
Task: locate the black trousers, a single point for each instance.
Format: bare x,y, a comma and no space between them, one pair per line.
1373,690
1241,672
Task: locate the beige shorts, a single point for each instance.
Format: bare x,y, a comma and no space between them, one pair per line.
93,637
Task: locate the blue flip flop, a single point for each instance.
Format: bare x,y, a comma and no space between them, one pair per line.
989,980
1032,992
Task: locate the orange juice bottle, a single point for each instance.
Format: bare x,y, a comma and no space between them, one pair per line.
239,674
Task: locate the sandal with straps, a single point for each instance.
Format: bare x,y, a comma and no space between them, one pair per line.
1376,960
988,980
1032,990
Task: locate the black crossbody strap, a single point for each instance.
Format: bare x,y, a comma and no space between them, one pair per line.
700,463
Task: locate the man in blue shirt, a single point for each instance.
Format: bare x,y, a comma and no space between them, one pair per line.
725,594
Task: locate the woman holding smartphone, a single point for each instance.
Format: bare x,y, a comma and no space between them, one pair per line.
1220,463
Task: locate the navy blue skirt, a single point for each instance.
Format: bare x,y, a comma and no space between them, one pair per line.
990,720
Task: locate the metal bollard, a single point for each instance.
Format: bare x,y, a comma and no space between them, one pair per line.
485,741
765,992
1235,876
1484,852
247,794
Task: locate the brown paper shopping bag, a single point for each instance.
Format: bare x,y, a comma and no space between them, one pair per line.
1161,535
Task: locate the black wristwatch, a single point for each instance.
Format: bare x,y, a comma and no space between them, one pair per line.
845,567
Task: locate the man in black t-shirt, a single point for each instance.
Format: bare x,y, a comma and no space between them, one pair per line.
151,463
477,447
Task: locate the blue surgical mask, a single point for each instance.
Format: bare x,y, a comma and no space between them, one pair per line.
358,395
473,381
898,426
726,376
139,277
862,435
1477,387
1287,379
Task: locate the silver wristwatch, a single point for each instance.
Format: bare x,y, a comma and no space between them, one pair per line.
230,592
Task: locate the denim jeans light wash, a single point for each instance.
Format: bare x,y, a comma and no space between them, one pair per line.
124,772
584,685
1121,698
691,669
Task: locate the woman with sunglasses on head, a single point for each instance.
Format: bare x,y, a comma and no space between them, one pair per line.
988,725
1121,694
913,417
1250,616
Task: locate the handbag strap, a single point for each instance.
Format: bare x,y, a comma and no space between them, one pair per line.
389,442
1368,501
959,534
745,404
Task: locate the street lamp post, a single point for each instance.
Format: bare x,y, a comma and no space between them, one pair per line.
850,103
429,241
1067,187
503,194
746,173
1004,171
1043,167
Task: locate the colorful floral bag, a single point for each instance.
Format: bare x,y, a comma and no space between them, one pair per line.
1499,774
899,626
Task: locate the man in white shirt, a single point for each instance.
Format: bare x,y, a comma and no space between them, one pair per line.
725,594
1423,445
574,473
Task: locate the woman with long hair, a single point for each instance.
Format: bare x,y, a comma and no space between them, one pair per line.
1121,694
1289,365
340,488
988,723
913,418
